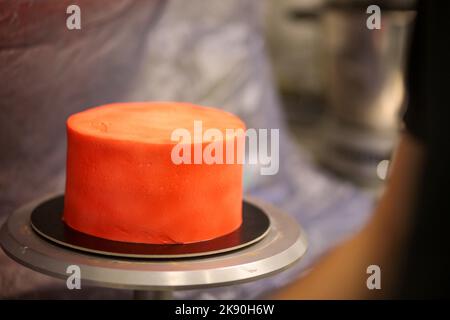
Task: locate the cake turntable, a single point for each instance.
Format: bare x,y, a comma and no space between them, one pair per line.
46,220
268,242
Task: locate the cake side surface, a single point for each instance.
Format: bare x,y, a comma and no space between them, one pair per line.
123,185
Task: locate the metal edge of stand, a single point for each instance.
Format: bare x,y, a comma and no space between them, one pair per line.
284,245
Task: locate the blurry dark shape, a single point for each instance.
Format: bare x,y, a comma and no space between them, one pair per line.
365,85
294,37
293,33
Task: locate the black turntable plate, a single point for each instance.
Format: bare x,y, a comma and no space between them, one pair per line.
46,220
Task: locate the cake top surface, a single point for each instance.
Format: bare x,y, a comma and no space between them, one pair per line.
149,122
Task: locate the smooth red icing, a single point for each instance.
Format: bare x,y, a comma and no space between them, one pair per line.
122,184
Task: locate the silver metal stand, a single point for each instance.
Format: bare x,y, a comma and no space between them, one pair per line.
156,279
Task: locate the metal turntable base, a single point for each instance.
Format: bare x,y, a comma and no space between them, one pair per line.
284,244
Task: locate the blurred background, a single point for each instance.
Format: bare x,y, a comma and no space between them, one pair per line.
341,84
310,68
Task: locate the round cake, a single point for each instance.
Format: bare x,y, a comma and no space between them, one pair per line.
123,183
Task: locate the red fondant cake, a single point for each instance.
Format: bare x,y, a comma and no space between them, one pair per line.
123,185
